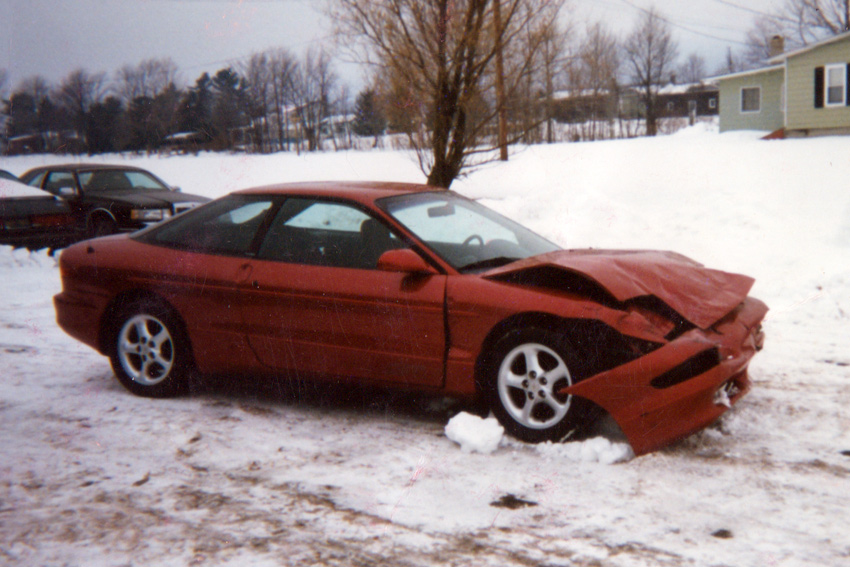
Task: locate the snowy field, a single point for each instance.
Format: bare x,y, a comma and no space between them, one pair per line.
256,474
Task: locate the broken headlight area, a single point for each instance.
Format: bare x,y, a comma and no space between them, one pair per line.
663,318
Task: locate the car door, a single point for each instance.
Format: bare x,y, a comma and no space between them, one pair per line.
314,302
201,260
63,184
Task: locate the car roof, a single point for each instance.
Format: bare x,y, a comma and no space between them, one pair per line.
84,167
364,191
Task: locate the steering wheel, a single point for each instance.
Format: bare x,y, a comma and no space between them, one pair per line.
472,237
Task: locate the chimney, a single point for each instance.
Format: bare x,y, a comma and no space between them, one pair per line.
777,46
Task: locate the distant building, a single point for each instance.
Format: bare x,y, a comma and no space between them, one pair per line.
691,100
674,101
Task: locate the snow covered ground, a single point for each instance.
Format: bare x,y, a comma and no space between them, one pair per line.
255,474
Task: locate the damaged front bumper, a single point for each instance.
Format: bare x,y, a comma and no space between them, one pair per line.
682,386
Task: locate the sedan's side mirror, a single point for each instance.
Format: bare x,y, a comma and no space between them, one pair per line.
404,260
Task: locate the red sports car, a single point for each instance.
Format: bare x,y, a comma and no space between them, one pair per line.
419,288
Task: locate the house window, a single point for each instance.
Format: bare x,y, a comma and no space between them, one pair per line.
835,85
751,99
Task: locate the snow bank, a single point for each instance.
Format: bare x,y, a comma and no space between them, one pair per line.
474,434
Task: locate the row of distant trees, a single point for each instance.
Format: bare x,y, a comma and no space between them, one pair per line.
142,106
460,80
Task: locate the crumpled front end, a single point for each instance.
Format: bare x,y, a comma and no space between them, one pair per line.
682,386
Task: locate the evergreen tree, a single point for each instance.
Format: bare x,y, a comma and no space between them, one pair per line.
195,112
103,126
369,119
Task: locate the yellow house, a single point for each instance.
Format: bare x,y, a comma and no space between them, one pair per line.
801,93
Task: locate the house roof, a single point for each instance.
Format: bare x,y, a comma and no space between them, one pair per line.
685,88
739,74
788,54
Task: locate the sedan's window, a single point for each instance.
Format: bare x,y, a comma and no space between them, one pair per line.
427,221
119,180
323,233
143,181
226,226
58,180
105,180
34,180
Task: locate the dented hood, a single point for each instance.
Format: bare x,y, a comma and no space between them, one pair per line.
698,294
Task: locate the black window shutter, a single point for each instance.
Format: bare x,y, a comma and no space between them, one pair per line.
847,87
819,87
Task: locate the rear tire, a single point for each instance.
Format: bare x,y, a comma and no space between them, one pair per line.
150,353
102,226
525,371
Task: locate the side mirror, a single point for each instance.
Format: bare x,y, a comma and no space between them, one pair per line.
176,189
404,260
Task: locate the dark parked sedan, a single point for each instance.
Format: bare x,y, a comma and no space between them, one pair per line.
416,288
31,218
108,198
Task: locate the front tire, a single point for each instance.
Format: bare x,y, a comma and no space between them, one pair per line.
526,370
150,354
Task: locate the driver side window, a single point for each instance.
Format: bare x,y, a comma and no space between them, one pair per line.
325,233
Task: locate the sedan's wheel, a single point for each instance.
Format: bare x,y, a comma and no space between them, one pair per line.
149,352
527,371
102,226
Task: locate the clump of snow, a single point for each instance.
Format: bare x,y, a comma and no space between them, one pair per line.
474,434
595,450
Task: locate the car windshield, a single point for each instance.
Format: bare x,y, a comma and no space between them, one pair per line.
119,180
467,235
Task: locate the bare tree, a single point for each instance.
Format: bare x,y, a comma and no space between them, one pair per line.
436,55
759,39
812,20
283,68
149,78
77,92
534,69
151,98
650,52
693,70
314,90
39,90
36,86
593,78
257,73
798,23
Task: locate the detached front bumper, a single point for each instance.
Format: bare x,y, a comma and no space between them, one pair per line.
683,386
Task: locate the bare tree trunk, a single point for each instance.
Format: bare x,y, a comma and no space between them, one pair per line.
500,82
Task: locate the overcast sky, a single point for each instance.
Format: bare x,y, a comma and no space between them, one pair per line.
53,37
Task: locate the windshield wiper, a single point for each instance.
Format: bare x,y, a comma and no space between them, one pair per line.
488,263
